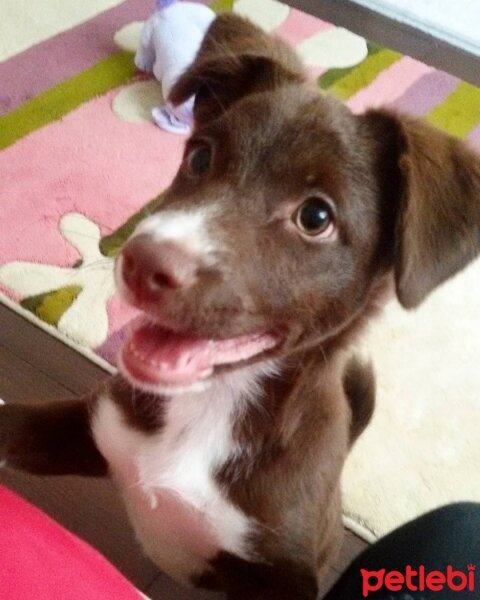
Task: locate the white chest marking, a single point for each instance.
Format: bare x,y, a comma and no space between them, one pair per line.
179,512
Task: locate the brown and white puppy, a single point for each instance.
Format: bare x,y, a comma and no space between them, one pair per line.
277,240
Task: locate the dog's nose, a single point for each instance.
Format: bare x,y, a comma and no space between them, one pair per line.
149,268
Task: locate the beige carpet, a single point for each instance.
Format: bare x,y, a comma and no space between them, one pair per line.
422,449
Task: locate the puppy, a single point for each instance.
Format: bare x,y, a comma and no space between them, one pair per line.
287,225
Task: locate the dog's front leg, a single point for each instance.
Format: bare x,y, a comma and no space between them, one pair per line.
50,439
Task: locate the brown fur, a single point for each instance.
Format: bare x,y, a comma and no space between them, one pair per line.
141,410
407,212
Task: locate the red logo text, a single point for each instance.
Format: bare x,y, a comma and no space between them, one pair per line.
418,580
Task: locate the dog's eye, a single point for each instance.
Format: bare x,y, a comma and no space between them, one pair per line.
314,217
199,159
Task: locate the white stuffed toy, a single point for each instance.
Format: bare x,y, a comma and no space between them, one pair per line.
169,42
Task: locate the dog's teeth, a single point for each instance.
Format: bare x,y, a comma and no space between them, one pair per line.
183,361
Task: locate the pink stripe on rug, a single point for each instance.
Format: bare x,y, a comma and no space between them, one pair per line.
474,138
389,85
426,94
65,55
299,26
90,162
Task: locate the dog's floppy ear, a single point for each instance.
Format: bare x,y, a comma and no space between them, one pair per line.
437,218
236,58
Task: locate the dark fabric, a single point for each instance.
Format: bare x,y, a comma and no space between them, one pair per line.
447,537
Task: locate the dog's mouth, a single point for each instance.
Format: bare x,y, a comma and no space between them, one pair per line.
154,356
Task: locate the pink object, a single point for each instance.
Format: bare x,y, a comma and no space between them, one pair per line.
43,561
156,356
299,26
90,162
389,85
474,137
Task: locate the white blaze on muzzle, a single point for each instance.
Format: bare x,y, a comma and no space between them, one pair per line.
188,228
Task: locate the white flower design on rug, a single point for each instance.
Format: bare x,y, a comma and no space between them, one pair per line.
268,14
335,48
85,320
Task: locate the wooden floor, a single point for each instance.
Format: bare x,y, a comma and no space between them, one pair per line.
36,367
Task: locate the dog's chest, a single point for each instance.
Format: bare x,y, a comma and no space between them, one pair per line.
179,512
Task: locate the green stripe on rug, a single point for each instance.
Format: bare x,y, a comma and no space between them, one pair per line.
220,6
333,75
58,101
345,85
50,307
460,112
111,244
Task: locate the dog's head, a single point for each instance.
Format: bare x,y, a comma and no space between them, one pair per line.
285,214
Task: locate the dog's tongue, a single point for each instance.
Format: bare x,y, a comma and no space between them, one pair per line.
157,356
